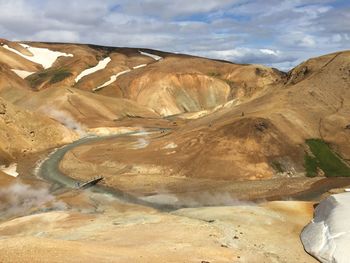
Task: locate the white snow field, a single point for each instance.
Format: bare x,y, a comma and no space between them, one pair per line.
22,73
327,236
100,65
140,66
155,57
114,77
171,145
10,170
111,80
43,56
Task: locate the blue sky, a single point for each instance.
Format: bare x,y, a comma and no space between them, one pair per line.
272,32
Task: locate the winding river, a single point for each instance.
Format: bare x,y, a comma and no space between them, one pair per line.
49,170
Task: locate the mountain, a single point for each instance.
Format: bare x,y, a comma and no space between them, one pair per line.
249,119
188,147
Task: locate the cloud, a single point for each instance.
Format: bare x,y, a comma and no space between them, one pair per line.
54,35
247,55
237,30
171,9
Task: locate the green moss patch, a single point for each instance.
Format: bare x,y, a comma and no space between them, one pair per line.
51,75
60,75
324,158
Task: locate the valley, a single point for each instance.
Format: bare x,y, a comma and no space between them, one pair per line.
202,160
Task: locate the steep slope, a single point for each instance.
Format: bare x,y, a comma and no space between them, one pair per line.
179,84
314,107
320,95
12,87
167,83
81,110
23,132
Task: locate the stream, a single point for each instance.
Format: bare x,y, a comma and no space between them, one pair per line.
49,170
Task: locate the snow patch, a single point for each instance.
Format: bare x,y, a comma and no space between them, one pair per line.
22,73
100,65
111,80
327,237
43,56
140,66
10,170
155,57
171,145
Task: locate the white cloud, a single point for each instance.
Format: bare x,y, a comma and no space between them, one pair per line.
57,35
270,32
246,55
170,9
297,39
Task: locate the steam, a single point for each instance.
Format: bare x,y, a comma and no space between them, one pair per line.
66,119
197,200
141,142
20,199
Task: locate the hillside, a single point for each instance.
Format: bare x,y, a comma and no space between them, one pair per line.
183,144
249,119
23,132
263,137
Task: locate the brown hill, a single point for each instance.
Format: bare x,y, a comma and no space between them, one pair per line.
251,121
263,137
172,85
234,132
23,132
74,107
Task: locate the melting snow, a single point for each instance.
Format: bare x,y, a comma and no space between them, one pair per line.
155,57
327,237
22,73
140,66
111,80
43,56
171,145
10,170
101,65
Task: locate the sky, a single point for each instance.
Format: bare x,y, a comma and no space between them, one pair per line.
276,33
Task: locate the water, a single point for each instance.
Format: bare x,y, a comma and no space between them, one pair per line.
49,170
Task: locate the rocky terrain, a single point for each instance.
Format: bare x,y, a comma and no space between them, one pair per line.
201,158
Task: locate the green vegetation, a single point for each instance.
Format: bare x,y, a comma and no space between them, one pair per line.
48,75
59,75
38,78
325,159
